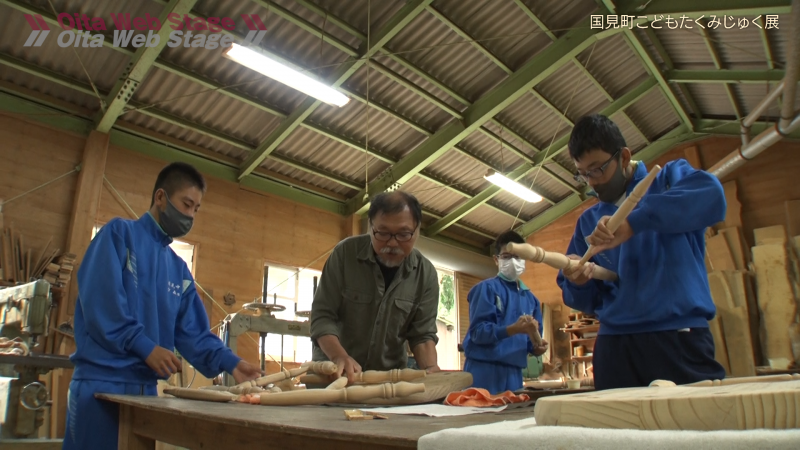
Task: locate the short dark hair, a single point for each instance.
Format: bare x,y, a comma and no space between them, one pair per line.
595,131
393,203
505,238
177,176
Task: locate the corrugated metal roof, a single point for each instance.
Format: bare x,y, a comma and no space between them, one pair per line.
459,169
500,25
614,65
432,46
562,16
387,92
653,114
171,93
571,91
531,119
434,197
545,185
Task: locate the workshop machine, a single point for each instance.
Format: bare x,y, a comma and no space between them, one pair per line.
24,318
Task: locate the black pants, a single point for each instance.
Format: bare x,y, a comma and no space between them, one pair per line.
635,360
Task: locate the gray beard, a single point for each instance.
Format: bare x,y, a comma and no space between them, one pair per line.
390,264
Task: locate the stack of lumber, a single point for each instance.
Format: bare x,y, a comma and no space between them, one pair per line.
755,290
21,264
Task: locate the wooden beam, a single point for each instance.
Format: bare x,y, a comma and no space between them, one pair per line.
84,215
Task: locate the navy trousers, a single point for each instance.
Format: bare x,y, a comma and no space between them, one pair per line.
635,360
495,378
93,424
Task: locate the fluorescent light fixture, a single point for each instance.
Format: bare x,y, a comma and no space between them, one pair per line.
513,187
284,74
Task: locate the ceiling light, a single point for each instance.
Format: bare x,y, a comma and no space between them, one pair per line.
513,187
284,74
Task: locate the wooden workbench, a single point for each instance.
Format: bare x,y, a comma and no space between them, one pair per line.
198,424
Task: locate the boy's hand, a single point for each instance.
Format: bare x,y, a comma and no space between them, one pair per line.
603,239
163,362
245,371
540,349
578,275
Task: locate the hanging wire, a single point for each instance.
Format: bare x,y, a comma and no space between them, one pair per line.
558,128
85,72
37,187
366,137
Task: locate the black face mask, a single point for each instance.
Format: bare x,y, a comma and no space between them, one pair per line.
612,190
174,222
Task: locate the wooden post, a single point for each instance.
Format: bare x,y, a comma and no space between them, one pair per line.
84,215
352,225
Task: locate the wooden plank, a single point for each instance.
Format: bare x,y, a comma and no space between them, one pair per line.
719,254
720,351
775,300
736,246
744,406
775,234
792,208
31,444
741,287
733,213
738,341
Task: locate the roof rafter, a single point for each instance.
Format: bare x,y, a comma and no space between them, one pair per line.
712,50
560,145
136,70
344,71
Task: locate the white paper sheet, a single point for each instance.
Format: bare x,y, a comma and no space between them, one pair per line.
434,410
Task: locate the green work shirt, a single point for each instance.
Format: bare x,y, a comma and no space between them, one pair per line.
373,323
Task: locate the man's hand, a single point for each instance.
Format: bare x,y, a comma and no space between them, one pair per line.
245,371
603,239
347,366
432,369
540,349
163,362
578,275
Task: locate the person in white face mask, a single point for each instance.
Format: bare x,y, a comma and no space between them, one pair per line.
503,314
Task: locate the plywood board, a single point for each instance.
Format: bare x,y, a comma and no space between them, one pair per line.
733,213
746,406
775,234
720,351
736,246
775,300
741,288
719,254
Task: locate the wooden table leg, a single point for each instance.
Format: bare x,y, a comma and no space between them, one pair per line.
128,440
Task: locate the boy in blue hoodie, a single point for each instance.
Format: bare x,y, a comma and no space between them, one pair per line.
503,313
654,318
137,302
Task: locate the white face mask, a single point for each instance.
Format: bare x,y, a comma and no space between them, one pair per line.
512,268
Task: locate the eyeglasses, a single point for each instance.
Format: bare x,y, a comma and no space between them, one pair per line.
507,256
385,236
597,172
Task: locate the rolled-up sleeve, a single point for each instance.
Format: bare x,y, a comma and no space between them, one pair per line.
423,325
328,298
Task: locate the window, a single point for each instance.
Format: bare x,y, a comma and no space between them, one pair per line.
293,289
183,249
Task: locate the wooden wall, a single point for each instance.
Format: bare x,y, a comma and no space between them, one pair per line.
236,231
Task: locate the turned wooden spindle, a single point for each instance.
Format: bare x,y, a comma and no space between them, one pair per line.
352,394
554,259
625,209
371,377
323,368
276,377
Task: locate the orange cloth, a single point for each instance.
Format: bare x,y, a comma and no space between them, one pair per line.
480,397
